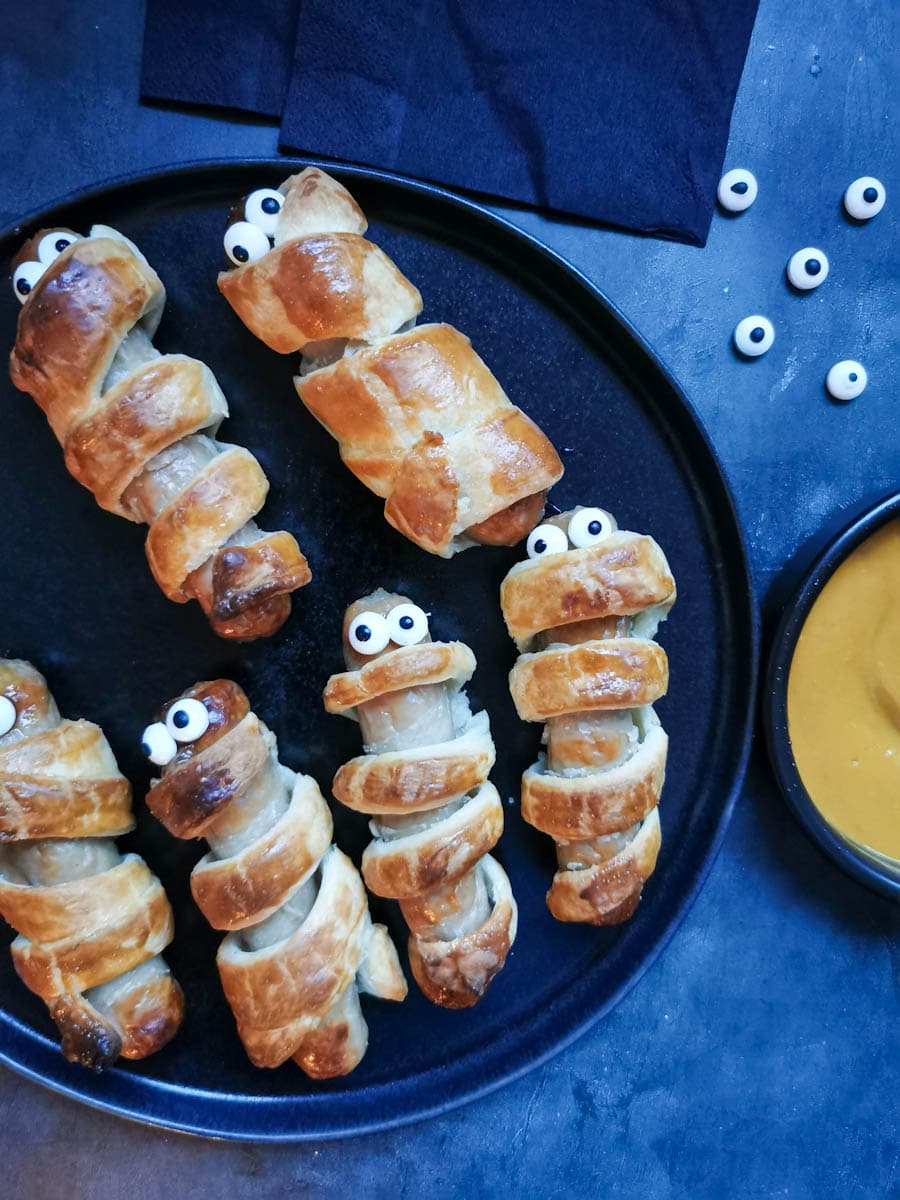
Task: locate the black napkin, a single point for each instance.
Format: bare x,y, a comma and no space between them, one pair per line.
224,53
612,110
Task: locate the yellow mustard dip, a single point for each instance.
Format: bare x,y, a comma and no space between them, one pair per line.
844,696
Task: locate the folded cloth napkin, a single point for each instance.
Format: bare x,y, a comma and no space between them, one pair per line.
223,53
616,111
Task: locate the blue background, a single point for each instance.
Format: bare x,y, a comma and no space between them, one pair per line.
758,1056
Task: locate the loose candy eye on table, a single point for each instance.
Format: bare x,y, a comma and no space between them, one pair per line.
807,269
846,380
737,190
754,336
865,198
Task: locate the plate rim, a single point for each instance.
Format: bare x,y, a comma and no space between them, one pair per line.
751,626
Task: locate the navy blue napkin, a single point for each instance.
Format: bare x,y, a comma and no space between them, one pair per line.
223,53
611,110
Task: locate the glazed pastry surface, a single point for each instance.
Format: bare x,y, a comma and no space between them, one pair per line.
139,429
419,417
583,609
301,944
91,922
424,781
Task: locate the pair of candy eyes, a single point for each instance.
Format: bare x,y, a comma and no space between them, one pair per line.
28,273
186,721
845,381
586,527
369,632
248,240
245,241
863,199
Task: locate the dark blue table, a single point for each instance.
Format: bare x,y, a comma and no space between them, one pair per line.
758,1056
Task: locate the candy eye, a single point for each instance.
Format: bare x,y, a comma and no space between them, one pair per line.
245,243
158,744
26,276
754,336
589,526
846,380
737,190
262,207
7,715
407,624
865,198
52,245
807,268
368,633
546,539
187,720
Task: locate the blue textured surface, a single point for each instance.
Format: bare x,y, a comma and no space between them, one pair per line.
758,1057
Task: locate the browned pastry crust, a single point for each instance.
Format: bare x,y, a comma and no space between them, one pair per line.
574,808
456,973
586,618
396,782
419,417
403,667
437,816
34,803
424,424
91,924
608,893
326,285
323,280
625,673
620,576
138,429
301,943
412,870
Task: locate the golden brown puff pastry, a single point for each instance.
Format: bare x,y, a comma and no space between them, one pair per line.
419,417
138,429
583,609
424,781
425,425
91,923
301,944
319,280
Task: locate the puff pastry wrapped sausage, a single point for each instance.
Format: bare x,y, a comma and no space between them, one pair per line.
583,609
91,923
424,780
418,416
138,428
300,944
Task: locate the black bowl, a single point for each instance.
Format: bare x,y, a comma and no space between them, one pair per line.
874,870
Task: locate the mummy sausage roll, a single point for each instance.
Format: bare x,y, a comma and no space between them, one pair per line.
301,944
424,781
91,922
139,428
583,609
418,416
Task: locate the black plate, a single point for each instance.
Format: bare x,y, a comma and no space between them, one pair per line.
78,600
830,547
